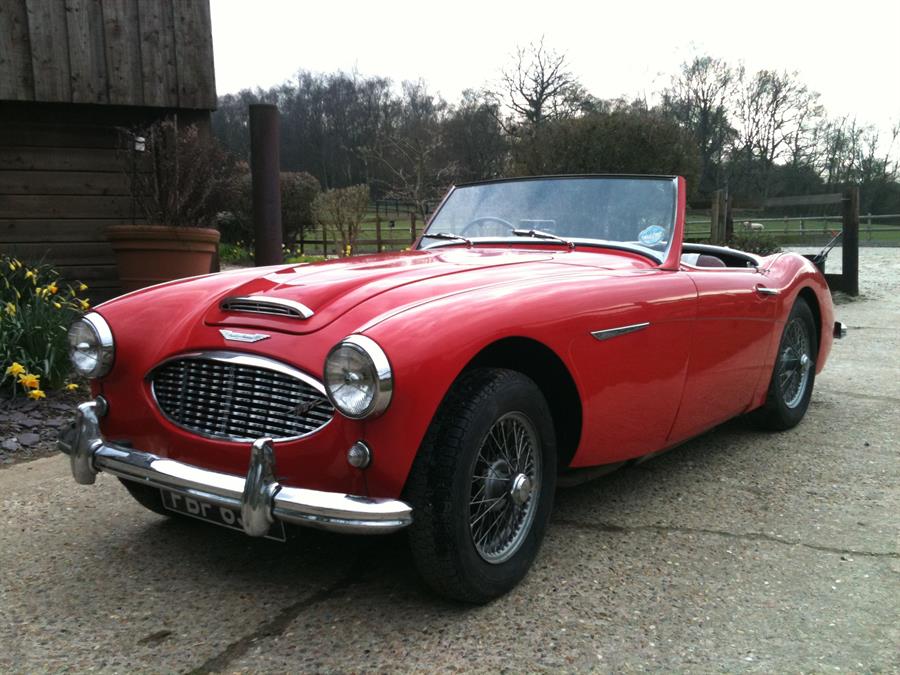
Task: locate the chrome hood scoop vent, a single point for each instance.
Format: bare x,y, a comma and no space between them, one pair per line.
250,304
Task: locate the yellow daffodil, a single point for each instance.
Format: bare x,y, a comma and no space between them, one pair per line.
35,394
52,288
29,381
15,369
82,287
57,305
10,309
85,305
71,387
30,274
12,267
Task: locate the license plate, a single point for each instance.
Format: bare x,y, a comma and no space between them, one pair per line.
212,513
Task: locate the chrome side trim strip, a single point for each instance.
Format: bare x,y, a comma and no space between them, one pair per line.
255,304
621,330
259,497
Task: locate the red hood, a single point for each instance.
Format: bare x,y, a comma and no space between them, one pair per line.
333,288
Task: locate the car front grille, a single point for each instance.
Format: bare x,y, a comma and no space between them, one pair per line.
239,397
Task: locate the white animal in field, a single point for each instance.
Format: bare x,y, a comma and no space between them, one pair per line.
753,226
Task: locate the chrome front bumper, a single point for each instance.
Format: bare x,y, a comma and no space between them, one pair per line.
258,496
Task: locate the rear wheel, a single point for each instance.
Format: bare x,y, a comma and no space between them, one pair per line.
794,374
482,486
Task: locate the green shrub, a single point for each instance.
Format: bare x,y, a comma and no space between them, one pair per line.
754,241
235,254
304,259
298,191
36,310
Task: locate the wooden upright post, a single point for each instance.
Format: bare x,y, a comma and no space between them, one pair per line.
850,242
265,178
377,227
715,215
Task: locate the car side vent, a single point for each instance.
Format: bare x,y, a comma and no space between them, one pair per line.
250,304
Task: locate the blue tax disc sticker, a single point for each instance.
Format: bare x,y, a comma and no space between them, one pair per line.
652,235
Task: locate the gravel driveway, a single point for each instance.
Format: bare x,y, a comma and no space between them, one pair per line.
737,551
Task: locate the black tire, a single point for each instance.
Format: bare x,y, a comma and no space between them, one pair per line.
147,496
786,406
446,484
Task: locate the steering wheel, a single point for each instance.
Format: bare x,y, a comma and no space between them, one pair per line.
480,222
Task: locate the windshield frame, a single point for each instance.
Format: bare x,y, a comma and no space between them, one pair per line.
659,257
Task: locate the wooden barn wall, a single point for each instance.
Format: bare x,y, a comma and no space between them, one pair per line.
63,179
148,53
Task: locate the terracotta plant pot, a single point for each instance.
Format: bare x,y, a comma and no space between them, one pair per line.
152,254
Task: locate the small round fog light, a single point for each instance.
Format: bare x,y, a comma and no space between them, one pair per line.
359,455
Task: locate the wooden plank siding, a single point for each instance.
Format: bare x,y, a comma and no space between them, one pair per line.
61,186
87,56
147,53
64,178
49,39
16,76
76,78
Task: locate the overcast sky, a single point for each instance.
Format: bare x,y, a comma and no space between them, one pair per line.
849,52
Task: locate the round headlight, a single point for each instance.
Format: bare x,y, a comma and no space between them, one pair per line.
358,379
91,346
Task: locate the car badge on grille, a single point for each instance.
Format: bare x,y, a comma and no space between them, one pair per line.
302,408
242,337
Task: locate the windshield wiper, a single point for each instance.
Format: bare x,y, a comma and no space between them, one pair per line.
449,236
540,234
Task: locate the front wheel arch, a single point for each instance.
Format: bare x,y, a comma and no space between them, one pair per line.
541,364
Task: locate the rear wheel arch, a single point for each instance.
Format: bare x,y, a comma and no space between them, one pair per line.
812,300
541,364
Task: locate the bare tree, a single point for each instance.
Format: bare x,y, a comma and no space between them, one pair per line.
698,99
539,87
343,209
775,112
409,148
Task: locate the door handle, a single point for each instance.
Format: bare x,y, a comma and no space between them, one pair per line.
764,290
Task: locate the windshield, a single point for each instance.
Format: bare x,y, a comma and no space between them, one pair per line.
632,212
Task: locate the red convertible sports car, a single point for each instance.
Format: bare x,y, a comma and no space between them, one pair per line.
540,327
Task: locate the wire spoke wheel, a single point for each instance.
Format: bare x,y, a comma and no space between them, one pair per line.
505,487
796,362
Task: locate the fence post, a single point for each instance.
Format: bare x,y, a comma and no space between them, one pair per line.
850,241
377,228
324,241
729,218
265,163
716,218
412,227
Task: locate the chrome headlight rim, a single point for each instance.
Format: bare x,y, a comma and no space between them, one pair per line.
105,345
381,366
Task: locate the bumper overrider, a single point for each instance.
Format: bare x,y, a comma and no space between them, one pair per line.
260,499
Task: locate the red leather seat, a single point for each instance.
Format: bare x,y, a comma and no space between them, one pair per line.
704,260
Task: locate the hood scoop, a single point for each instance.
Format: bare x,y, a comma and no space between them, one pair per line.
253,304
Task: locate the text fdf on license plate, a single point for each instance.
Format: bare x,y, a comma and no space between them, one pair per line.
213,513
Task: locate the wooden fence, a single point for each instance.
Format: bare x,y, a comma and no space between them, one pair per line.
389,225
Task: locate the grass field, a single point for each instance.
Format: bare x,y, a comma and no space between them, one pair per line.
808,230
787,231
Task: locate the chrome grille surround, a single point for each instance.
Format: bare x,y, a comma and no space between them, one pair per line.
239,397
251,304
